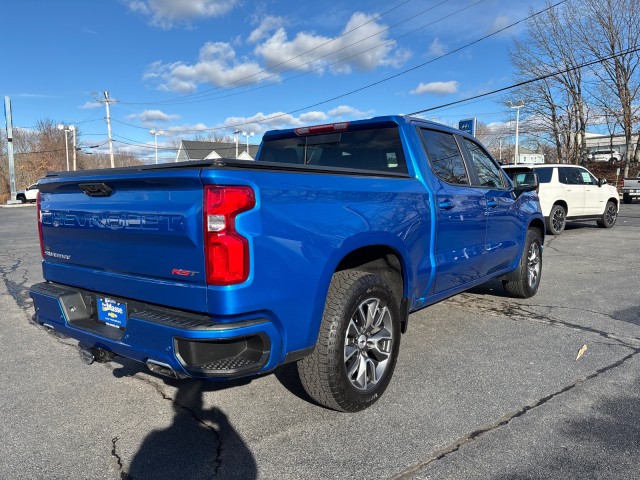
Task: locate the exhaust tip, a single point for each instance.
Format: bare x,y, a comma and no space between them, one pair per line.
162,369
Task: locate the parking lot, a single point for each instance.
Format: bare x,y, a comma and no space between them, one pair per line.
485,387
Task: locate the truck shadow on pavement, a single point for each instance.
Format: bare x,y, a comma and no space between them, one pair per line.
199,443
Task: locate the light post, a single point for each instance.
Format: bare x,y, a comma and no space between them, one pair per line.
250,134
155,134
69,128
236,138
517,105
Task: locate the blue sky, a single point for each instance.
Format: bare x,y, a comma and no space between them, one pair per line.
209,66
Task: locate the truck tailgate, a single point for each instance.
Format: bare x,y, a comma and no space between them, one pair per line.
136,234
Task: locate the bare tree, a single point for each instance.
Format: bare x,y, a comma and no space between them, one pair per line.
558,102
610,29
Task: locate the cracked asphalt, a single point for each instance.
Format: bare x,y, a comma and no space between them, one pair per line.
485,387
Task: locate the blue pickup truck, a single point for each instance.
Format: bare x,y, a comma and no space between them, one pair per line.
314,253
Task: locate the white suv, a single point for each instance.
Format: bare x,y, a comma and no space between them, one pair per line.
605,156
571,192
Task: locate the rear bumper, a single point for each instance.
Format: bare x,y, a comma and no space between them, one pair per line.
192,345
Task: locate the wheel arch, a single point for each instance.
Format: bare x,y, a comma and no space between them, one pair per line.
563,204
380,260
538,224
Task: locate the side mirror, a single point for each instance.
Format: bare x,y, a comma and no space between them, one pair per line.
525,182
602,181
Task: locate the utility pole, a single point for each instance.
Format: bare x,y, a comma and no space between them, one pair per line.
73,129
106,102
517,105
12,172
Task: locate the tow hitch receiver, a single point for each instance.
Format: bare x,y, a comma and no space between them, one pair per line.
90,354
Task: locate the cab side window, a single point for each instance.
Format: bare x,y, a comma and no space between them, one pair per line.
445,157
489,174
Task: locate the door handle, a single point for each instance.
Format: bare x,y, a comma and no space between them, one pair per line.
446,204
492,203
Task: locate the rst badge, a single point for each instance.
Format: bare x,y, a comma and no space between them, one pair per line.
183,273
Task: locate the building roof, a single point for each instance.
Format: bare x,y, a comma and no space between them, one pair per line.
199,150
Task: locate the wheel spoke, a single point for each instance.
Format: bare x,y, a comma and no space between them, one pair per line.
349,351
372,310
352,330
360,379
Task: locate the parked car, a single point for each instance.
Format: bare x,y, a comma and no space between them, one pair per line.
630,189
29,194
605,156
571,192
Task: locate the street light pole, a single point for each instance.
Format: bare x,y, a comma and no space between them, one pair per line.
250,134
155,134
518,105
236,134
73,129
66,141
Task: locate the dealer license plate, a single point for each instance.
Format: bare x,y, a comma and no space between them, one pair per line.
112,312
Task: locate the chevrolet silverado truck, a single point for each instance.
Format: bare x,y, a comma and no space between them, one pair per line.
630,189
314,253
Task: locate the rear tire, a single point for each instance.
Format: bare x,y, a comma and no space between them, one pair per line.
524,282
557,220
626,198
357,346
609,216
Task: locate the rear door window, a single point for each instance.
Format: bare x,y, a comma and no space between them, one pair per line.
445,157
489,173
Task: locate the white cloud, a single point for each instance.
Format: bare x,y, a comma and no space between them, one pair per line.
345,110
169,13
364,48
436,88
310,117
354,49
267,25
90,105
261,122
150,117
437,48
499,23
217,64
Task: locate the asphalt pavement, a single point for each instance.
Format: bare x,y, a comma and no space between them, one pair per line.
485,387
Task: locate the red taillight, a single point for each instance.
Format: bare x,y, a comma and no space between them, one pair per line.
40,225
622,183
226,251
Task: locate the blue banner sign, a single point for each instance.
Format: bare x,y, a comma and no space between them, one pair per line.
468,125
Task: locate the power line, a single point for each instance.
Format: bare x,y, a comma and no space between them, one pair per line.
204,96
391,77
532,80
175,99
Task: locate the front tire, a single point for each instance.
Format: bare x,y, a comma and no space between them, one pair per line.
609,216
524,282
557,220
357,346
